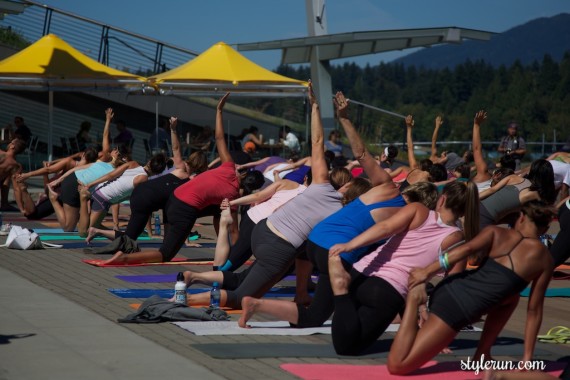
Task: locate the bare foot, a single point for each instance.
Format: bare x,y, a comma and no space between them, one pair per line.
226,217
188,277
52,194
192,245
249,306
340,279
91,233
118,258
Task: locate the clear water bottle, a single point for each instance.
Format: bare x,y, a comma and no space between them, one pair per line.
215,296
157,224
180,289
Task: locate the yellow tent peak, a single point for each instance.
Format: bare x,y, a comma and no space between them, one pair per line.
221,63
52,57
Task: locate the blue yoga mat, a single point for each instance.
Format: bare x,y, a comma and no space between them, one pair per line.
555,292
168,293
152,278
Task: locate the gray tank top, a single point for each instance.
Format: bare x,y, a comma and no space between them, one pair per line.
296,218
501,203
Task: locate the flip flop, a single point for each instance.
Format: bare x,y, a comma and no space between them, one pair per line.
557,334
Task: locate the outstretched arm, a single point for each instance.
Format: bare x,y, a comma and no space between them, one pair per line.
107,134
253,163
438,123
67,173
176,153
410,142
318,163
480,243
112,175
400,221
223,151
376,174
480,164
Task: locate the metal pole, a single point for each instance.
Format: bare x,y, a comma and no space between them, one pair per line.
50,125
156,121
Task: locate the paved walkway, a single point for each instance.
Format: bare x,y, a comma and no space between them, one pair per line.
58,321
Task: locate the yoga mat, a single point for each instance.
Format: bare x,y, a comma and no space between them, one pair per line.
553,292
430,371
168,293
175,261
226,309
263,328
52,231
461,349
77,237
258,328
559,275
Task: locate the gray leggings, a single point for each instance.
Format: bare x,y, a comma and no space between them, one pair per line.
273,257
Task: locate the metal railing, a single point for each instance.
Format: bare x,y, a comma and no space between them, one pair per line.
112,46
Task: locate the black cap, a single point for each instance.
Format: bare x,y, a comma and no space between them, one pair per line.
180,277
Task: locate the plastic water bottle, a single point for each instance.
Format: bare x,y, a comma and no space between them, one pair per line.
215,296
157,224
180,289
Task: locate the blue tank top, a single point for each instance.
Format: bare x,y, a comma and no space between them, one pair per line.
95,171
299,174
347,223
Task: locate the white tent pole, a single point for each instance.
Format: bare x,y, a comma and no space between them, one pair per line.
50,125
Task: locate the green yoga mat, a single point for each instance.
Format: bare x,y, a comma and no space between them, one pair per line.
77,237
554,292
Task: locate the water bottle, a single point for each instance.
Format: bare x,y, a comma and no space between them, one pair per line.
180,289
215,296
157,224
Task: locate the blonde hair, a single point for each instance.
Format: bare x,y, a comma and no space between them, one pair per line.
422,192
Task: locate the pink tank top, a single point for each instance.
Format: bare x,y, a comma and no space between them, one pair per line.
266,208
410,249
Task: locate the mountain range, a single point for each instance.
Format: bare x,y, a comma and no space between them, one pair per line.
527,43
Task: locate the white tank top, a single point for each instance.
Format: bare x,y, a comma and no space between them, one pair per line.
266,208
120,188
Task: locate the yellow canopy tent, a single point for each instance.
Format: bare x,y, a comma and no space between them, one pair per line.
221,69
51,64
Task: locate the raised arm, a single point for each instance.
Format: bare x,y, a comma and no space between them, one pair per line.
410,142
54,167
376,174
438,122
223,151
176,153
319,167
107,134
480,164
406,218
297,164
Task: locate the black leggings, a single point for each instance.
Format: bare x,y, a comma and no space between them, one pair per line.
560,249
241,250
148,197
322,305
181,219
273,256
42,210
362,315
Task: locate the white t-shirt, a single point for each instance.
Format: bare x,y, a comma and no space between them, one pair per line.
561,173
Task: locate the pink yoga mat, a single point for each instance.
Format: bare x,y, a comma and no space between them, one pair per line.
431,370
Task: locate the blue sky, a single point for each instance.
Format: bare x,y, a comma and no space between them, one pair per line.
197,25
